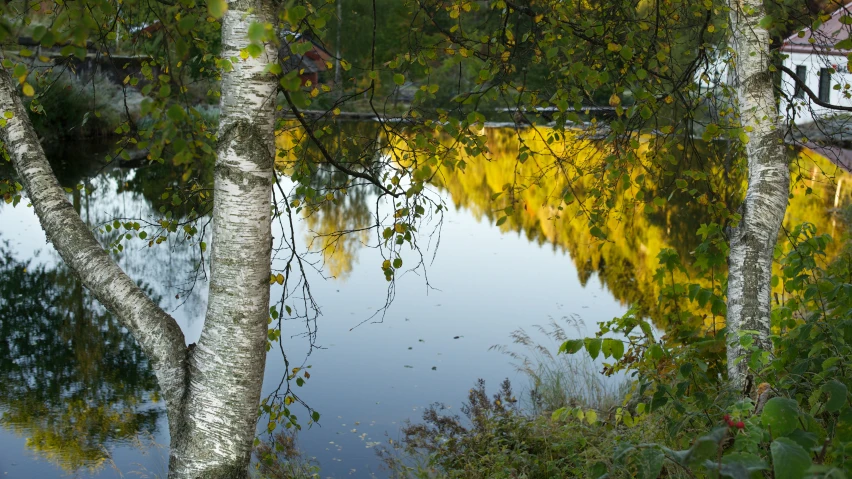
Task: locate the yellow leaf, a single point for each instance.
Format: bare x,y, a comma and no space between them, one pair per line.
591,417
279,279
614,100
28,90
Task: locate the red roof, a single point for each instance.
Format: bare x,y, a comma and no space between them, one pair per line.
822,40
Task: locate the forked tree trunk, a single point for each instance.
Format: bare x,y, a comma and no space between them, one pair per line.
753,241
212,391
226,367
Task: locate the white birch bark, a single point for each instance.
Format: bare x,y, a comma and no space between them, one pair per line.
753,241
212,391
226,367
156,332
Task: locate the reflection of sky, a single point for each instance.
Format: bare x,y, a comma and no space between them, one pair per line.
488,284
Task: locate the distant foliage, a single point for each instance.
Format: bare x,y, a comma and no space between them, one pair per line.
68,106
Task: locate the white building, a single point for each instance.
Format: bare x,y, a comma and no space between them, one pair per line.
823,68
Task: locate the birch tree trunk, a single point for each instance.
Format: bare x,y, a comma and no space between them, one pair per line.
156,332
226,367
753,241
212,391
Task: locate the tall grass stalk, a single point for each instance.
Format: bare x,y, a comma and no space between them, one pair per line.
559,380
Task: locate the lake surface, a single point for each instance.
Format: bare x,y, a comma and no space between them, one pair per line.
78,399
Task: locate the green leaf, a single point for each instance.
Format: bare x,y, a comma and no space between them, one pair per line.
844,44
593,346
789,460
648,463
616,348
256,32
571,346
655,352
738,465
844,425
781,416
175,113
837,395
315,416
254,50
704,448
217,8
399,79
296,14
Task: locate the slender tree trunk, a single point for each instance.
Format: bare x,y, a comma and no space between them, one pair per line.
753,241
226,368
212,391
157,333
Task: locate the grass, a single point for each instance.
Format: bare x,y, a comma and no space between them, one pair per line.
559,380
500,436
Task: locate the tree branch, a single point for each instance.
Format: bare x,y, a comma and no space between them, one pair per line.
327,155
156,331
801,84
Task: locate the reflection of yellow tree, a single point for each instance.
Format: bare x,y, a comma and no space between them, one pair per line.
547,197
337,213
71,380
627,261
338,230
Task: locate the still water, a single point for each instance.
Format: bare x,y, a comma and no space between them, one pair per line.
78,398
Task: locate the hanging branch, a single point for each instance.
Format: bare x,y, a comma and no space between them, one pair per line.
801,84
345,169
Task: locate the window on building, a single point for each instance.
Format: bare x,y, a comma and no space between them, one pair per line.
802,74
825,85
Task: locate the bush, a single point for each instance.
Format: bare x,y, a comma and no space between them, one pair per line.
679,418
68,106
281,458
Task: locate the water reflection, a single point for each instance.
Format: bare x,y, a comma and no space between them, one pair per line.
72,381
625,263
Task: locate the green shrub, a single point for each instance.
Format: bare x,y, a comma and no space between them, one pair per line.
67,106
281,458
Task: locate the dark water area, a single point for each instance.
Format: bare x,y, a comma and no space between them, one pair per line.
78,398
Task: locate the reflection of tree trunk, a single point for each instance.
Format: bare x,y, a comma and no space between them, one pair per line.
753,241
